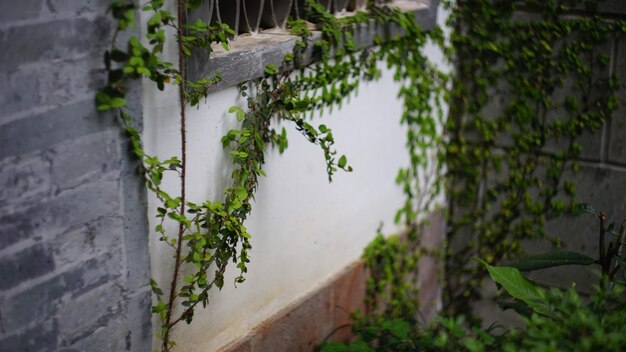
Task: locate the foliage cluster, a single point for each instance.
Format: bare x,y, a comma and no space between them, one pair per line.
502,161
531,79
555,319
212,234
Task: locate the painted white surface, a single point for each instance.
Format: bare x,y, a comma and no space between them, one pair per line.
304,229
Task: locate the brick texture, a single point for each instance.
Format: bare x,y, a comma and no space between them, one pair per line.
74,258
600,181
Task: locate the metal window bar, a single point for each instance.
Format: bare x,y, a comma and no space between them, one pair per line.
252,16
249,55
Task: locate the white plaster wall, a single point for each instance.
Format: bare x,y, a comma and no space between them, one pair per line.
304,229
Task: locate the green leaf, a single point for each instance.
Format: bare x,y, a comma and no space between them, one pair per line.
155,288
118,102
582,208
102,97
118,55
155,20
271,69
342,161
240,113
172,203
241,193
518,286
548,260
398,327
159,307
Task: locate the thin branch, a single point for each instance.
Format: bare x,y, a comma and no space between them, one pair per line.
182,8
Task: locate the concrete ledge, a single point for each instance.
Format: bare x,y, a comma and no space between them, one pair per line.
250,54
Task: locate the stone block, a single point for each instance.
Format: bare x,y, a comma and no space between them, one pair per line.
614,7
15,228
137,322
348,296
70,7
93,273
27,264
40,338
24,180
44,130
20,10
70,79
109,337
65,212
300,329
88,312
244,345
35,304
617,135
19,91
136,233
55,40
88,240
83,159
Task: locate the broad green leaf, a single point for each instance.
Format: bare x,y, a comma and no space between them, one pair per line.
518,286
342,161
548,260
398,327
118,102
582,208
102,97
271,69
241,193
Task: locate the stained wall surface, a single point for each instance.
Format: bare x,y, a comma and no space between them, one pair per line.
304,230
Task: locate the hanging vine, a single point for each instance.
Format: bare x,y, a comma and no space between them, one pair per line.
212,234
531,80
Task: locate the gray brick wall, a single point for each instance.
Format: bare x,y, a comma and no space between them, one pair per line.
601,182
74,261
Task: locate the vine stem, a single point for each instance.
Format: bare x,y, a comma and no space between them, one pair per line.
182,87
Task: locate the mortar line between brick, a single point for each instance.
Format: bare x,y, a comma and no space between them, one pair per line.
605,166
605,139
24,114
47,19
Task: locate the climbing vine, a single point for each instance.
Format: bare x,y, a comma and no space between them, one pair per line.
532,78
500,153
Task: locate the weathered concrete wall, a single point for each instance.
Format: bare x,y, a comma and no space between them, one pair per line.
304,230
74,262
